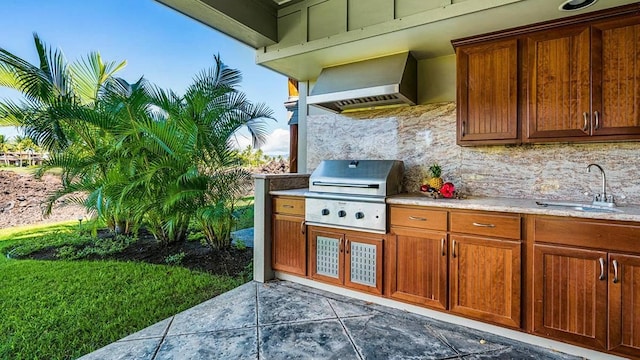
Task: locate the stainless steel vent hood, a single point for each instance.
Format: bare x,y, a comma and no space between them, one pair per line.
389,80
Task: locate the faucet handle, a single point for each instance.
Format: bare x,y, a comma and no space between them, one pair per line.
610,199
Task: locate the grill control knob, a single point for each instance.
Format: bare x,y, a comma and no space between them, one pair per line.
325,211
359,215
342,213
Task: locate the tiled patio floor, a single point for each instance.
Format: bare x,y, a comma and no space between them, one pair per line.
284,320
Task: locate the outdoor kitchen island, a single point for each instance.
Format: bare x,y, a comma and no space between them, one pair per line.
501,265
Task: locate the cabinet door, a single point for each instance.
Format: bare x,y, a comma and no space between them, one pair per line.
289,247
363,263
616,77
485,279
559,84
624,304
326,256
419,267
570,294
488,92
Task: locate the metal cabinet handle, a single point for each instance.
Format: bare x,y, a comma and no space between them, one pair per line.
602,277
615,272
585,115
341,246
417,218
463,129
484,225
442,247
453,248
348,246
597,116
302,227
287,206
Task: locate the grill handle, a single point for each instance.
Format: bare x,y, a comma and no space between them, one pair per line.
361,186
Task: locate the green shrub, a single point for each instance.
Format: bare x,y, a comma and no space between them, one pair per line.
97,247
240,245
175,259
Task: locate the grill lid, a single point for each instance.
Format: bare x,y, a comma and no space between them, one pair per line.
358,177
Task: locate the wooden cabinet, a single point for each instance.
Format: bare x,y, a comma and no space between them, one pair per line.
586,286
574,79
348,258
583,81
485,266
485,279
487,93
559,82
570,294
289,242
326,255
418,256
624,304
616,73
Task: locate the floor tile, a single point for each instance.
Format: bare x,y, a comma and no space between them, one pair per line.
281,304
389,337
126,350
521,353
309,340
156,330
465,340
225,344
349,309
231,310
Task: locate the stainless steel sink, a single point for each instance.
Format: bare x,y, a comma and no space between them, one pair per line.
578,206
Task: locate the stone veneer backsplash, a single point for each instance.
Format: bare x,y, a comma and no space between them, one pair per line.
424,134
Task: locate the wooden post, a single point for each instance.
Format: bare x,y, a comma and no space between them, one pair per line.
292,107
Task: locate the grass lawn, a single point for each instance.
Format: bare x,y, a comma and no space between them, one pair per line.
64,309
29,170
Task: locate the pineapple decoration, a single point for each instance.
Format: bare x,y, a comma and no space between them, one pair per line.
435,181
435,187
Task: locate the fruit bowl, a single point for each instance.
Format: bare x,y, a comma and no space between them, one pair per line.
447,191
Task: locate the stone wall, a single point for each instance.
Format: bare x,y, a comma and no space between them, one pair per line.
424,134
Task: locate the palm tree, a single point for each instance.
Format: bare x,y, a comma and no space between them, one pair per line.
192,170
164,159
53,82
131,152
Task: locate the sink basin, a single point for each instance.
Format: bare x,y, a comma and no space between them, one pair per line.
579,206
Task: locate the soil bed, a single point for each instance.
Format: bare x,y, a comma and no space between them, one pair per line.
229,262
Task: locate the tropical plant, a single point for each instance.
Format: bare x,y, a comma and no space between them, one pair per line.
193,152
133,153
52,83
254,157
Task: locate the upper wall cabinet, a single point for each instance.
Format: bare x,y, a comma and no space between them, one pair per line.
583,82
559,79
616,75
487,91
574,79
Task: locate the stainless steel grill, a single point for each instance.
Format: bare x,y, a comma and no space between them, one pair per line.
350,194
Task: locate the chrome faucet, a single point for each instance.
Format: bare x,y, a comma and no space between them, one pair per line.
602,199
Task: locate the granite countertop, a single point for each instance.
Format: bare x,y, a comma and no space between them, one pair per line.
292,192
522,206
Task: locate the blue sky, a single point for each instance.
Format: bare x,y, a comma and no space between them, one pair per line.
165,46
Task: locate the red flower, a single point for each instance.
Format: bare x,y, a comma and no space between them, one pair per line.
447,190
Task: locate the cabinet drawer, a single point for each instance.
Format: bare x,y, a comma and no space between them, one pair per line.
588,233
416,217
284,205
494,225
